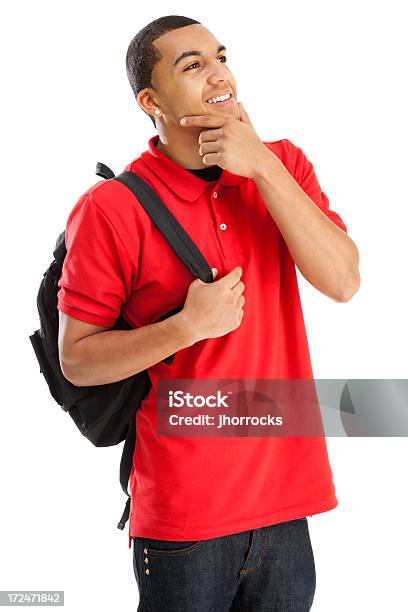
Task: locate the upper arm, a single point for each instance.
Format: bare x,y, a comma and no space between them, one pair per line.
305,175
69,332
96,278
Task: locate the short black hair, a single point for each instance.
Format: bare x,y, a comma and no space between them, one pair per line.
141,55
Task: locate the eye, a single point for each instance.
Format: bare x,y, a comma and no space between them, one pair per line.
222,57
195,64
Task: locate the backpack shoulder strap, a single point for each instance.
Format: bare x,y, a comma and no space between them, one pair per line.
191,256
104,171
171,229
125,469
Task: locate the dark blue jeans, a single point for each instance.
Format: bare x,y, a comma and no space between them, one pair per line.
267,569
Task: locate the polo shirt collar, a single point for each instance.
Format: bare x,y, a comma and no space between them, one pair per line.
185,184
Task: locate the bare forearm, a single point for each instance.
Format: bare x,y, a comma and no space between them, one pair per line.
113,355
325,255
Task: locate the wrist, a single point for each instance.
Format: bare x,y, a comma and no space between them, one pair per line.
267,166
184,329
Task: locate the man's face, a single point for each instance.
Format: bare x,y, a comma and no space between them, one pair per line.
184,83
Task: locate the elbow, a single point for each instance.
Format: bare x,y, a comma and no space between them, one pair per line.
349,287
350,277
72,373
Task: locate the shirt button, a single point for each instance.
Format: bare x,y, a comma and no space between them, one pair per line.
145,551
223,226
215,194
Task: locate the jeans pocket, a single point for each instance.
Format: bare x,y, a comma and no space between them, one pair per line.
170,547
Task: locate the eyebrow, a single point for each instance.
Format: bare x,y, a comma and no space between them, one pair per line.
193,52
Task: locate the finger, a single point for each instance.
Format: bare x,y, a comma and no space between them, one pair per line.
241,301
232,278
240,110
208,135
238,289
212,159
209,147
207,121
244,114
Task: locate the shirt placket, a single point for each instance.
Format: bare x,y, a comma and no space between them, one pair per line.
223,226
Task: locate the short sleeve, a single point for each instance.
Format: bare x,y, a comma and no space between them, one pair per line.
96,277
307,179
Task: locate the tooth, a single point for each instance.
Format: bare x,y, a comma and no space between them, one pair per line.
219,99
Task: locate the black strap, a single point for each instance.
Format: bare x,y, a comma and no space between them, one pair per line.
104,171
126,468
190,255
171,229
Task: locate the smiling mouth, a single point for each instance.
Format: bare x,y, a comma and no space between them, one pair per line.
221,100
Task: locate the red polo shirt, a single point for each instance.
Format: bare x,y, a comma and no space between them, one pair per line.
199,488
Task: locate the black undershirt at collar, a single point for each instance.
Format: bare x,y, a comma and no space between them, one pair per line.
212,173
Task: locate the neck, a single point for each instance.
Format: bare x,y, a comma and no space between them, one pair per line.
182,148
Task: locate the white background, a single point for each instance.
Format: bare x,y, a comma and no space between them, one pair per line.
330,77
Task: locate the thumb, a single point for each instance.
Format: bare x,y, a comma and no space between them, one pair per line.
244,115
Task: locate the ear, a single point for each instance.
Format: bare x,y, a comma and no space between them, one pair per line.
244,115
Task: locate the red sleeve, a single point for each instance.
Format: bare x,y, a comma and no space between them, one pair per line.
97,272
307,179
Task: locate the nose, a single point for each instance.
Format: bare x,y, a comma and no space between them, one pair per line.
217,72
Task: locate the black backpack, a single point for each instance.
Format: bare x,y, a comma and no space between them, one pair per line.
106,414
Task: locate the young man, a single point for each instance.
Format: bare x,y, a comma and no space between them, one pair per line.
217,523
